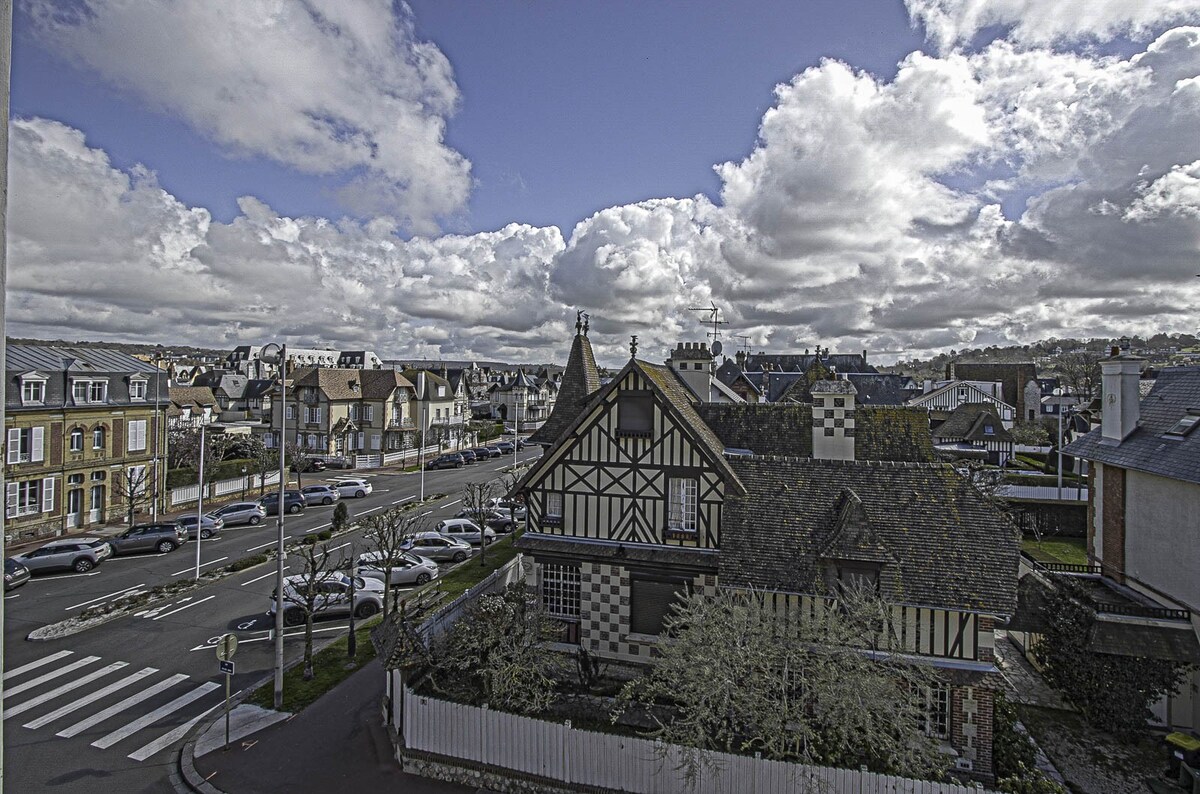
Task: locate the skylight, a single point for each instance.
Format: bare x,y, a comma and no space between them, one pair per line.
1185,425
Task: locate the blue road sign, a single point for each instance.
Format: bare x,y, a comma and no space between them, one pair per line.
227,668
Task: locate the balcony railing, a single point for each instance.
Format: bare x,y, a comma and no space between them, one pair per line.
1108,607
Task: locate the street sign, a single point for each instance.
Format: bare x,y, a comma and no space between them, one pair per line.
226,647
226,667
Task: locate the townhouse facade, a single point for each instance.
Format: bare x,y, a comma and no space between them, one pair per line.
85,437
649,493
440,411
340,412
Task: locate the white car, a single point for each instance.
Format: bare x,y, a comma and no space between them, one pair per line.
333,598
352,488
463,529
406,568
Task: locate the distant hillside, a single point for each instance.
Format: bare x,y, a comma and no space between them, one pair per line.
130,348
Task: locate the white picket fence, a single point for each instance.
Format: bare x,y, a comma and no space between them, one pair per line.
249,484
1069,492
558,752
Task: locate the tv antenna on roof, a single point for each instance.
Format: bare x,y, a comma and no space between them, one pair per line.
745,341
714,319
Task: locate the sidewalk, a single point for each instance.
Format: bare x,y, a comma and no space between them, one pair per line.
337,744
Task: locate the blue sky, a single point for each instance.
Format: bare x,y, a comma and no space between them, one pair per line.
905,177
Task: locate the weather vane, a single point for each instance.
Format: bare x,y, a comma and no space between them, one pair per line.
633,346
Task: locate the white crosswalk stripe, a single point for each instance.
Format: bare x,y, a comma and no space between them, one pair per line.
86,685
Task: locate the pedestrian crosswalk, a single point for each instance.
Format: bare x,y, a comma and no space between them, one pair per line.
72,687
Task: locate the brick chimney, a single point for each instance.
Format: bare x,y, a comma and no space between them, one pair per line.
693,363
833,419
1119,395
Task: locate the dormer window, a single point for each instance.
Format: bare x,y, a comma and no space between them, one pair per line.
89,391
33,390
137,389
989,430
854,576
1186,425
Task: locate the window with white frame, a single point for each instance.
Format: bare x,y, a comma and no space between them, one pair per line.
98,437
33,391
79,391
137,435
97,391
137,389
136,479
554,508
289,411
354,411
366,413
681,504
29,497
560,591
937,711
76,442
25,444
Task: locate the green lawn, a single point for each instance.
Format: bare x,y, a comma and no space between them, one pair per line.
1068,550
331,665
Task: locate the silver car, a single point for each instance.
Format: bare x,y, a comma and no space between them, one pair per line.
433,546
235,513
464,529
74,554
333,597
210,526
320,495
406,568
353,488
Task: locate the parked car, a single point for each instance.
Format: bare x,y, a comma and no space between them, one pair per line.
356,488
496,519
493,451
162,537
211,525
293,502
68,554
240,513
320,494
506,447
15,574
451,461
463,529
406,568
334,598
434,546
311,464
468,456
507,507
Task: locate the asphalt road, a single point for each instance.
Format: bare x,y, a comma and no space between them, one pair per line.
104,710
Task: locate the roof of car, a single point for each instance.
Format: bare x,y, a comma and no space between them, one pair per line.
69,542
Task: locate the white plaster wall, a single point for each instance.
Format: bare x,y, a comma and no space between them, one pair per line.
1162,535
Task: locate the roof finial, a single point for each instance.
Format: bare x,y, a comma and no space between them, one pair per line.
586,320
579,321
633,346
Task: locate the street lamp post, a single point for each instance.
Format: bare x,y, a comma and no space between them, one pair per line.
1058,409
200,504
424,430
155,493
277,354
243,483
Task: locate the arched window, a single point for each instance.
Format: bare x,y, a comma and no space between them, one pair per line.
98,437
77,439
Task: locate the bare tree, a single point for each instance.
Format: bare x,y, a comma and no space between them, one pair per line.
742,678
508,482
298,459
303,592
265,461
132,487
1079,371
475,498
385,534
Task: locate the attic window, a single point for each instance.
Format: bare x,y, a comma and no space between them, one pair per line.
635,414
989,430
1186,425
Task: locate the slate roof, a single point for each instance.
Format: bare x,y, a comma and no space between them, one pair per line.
729,373
59,364
414,377
378,384
800,362
674,556
1147,449
579,380
879,388
968,421
192,395
333,383
953,548
881,432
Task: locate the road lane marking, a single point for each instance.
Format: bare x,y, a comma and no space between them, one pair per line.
134,557
117,708
269,543
264,576
449,504
189,606
202,565
405,499
75,705
168,739
125,731
372,510
11,597
103,597
40,699
41,679
54,657
64,576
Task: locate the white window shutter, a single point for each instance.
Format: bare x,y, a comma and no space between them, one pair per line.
37,443
14,445
48,495
10,500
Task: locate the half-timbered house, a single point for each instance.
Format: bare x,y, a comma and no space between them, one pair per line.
649,493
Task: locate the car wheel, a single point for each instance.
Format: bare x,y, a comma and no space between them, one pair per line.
255,520
294,509
459,556
293,617
83,565
205,534
359,494
326,501
366,609
165,546
458,465
422,578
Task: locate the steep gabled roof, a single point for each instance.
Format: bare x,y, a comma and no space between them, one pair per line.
334,383
952,548
378,384
417,377
185,396
580,379
880,388
969,421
